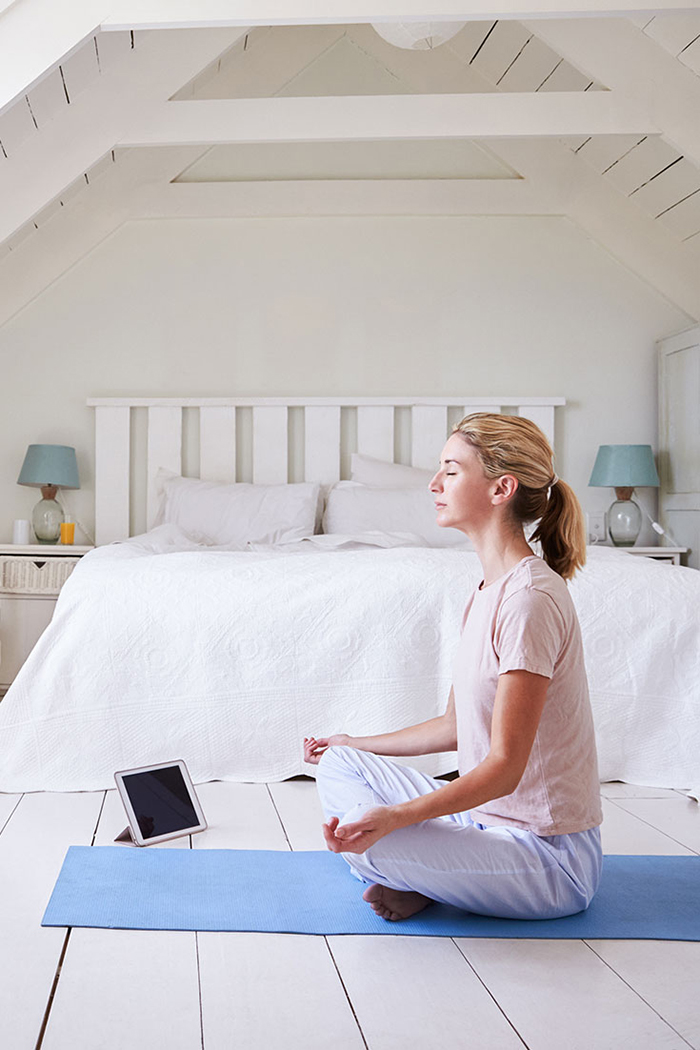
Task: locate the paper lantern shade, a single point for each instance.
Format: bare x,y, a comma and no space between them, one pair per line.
417,36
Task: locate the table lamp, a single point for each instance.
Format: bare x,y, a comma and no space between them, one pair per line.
624,468
49,467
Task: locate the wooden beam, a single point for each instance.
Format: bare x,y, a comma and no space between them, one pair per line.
178,14
36,34
642,245
347,197
71,143
79,228
367,117
622,57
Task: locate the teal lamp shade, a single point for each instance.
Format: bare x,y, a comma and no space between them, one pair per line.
49,467
624,468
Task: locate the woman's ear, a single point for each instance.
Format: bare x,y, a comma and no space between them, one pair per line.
506,487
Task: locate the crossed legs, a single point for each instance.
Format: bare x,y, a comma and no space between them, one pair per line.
500,871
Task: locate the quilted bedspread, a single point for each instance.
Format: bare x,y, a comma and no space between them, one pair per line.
228,659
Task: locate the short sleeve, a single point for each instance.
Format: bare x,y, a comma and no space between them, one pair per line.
530,633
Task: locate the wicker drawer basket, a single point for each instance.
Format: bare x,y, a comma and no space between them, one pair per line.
29,576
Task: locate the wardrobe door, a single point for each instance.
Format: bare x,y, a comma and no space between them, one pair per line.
679,440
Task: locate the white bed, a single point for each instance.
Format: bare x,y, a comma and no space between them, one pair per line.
228,659
161,648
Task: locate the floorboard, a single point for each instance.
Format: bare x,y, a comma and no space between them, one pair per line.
299,809
32,847
191,991
240,816
623,832
126,988
560,994
273,992
678,818
666,974
419,992
616,789
148,979
266,991
8,804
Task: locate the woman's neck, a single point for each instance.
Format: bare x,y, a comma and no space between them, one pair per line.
499,551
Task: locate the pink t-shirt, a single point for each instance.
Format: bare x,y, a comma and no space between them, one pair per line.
526,621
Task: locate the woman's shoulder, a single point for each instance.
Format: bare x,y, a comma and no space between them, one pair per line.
534,580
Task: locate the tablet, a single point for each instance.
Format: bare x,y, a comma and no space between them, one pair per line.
160,802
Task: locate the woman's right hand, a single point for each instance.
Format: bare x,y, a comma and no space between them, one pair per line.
313,748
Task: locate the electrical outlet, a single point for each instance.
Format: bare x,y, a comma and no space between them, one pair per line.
595,524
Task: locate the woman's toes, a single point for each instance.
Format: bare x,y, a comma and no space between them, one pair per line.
373,894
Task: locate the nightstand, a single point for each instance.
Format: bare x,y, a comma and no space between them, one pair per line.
31,578
672,555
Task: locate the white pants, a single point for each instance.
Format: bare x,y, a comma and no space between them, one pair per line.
501,871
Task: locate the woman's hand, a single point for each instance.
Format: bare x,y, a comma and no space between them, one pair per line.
313,748
358,836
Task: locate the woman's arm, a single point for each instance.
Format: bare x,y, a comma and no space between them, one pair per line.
426,738
520,699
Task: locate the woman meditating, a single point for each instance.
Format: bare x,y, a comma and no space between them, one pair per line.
516,834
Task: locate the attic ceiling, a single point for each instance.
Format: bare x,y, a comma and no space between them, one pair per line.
331,119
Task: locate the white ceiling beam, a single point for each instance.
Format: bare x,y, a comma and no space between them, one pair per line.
68,145
641,244
76,230
367,117
176,14
139,186
36,34
197,200
623,58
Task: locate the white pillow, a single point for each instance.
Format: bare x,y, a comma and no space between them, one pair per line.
382,475
233,515
353,508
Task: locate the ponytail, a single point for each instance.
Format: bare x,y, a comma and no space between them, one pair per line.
561,532
515,445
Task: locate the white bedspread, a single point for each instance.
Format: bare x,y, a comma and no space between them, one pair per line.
228,659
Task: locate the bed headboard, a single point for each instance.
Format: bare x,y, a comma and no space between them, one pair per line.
271,440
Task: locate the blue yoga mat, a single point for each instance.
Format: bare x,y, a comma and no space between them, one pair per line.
656,898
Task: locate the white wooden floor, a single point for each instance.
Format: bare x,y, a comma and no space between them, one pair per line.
93,989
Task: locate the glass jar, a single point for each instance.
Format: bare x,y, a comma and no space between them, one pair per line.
624,522
47,517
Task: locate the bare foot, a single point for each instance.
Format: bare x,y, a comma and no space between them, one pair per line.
394,904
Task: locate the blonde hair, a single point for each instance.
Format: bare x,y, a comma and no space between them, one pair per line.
514,445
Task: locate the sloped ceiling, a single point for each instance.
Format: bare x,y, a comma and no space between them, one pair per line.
330,119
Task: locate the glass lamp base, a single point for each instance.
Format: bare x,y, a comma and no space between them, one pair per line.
624,522
46,521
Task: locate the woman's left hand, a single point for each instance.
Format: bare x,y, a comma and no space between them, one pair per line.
358,836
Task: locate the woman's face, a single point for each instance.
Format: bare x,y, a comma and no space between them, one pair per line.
463,494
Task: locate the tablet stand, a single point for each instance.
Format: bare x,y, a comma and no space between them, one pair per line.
126,836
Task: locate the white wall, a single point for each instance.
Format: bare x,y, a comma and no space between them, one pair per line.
524,306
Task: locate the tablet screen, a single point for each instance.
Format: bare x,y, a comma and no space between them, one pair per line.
161,801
